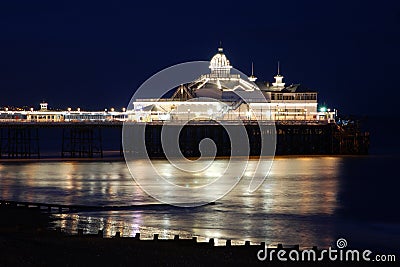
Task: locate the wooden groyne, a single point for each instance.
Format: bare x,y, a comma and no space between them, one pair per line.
33,244
60,208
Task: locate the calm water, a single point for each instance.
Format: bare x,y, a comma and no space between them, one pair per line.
305,200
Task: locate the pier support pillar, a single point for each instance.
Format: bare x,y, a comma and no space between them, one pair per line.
19,142
82,142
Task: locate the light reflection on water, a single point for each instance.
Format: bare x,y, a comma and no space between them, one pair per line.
295,204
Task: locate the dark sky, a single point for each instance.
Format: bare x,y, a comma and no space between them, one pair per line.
95,54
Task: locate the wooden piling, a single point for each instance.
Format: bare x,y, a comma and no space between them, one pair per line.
80,232
211,242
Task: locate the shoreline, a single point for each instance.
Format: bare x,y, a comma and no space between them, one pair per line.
26,241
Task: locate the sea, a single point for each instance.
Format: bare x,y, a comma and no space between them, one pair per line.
305,200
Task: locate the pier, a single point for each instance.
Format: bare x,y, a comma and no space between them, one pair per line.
87,139
21,139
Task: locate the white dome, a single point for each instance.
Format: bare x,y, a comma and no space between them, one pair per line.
219,60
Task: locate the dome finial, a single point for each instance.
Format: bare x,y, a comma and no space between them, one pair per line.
252,78
220,49
278,68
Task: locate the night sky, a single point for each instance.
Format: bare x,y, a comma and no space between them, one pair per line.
94,55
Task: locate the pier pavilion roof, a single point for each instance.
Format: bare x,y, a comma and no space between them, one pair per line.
297,88
217,84
222,84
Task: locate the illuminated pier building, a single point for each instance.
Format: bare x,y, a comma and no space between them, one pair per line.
219,95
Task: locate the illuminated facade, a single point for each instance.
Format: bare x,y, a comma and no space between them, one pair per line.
220,93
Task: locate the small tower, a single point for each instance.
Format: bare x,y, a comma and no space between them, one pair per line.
43,106
278,84
252,78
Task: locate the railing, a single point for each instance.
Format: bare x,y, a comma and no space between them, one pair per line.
159,122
